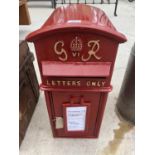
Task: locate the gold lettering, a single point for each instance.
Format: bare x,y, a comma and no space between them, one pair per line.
73,83
93,83
47,82
88,83
59,83
94,45
53,83
63,83
68,83
98,84
103,83
62,53
78,83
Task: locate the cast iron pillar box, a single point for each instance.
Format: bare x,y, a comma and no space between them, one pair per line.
76,50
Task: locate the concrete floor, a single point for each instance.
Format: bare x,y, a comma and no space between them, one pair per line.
116,136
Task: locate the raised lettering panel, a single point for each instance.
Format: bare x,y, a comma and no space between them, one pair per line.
57,82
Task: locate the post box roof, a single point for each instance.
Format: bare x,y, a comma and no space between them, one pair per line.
79,16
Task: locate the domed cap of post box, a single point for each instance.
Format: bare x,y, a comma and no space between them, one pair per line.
81,17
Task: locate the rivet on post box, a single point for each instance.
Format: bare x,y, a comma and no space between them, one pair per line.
76,50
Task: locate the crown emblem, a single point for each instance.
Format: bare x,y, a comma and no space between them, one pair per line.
76,44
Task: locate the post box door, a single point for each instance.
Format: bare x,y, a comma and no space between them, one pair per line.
91,102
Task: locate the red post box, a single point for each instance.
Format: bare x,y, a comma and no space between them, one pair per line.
76,50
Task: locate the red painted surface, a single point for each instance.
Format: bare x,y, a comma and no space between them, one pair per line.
76,50
78,69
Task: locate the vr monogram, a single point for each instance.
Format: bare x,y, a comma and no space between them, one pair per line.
76,47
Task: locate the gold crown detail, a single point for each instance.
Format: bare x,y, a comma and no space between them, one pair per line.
76,44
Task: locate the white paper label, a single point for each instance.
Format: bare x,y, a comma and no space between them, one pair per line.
59,123
76,117
74,21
